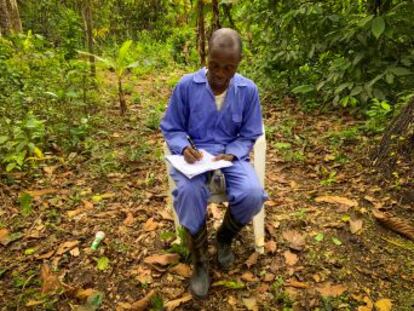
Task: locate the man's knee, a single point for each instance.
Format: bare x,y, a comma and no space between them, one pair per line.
253,195
191,188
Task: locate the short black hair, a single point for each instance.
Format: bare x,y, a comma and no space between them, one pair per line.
226,38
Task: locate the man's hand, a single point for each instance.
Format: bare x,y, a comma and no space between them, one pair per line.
191,155
226,157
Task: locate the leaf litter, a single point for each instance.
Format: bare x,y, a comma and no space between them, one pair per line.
301,259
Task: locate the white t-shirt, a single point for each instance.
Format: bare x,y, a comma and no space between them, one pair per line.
220,99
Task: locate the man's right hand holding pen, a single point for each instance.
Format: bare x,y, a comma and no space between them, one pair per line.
191,153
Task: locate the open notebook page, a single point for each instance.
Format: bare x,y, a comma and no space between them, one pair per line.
204,165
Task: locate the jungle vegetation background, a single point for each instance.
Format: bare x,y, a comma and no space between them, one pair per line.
356,56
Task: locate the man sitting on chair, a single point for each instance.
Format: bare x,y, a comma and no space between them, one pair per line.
220,110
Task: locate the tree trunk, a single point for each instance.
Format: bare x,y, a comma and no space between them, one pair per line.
87,19
15,22
122,102
379,7
215,23
227,12
396,133
201,35
5,26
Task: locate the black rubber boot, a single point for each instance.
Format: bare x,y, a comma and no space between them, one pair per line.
225,234
200,280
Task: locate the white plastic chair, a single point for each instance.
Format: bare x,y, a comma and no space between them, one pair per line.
259,160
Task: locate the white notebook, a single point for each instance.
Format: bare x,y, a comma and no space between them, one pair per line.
204,165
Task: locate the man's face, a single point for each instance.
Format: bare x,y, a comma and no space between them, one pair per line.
222,65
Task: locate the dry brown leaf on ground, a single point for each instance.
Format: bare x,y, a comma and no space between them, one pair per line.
163,260
269,277
355,225
50,169
295,239
329,290
86,206
290,258
337,200
75,252
150,225
50,281
142,274
166,214
129,220
296,284
45,255
368,305
231,300
39,193
398,225
67,246
251,304
171,305
182,269
383,305
4,237
143,303
252,260
248,277
270,247
85,293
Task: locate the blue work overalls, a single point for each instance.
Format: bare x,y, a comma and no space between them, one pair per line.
232,130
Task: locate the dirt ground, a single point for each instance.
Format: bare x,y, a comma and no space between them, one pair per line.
324,249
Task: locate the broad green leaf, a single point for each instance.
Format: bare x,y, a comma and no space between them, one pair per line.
356,90
303,89
123,51
346,218
389,77
336,241
378,26
38,152
282,146
229,284
365,20
400,71
358,58
30,251
97,198
3,139
385,106
11,166
319,237
103,263
342,87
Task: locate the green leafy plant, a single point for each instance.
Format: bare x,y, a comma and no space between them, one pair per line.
119,64
181,248
25,201
19,145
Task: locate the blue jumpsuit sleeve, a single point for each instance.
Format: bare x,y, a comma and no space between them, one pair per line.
250,130
174,123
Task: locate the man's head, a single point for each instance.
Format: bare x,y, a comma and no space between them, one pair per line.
224,56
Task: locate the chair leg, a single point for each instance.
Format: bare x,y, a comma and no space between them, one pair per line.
171,206
258,229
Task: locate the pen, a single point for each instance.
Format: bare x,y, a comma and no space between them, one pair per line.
191,143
